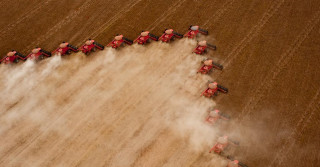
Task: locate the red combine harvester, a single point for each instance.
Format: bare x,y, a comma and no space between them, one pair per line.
235,163
202,47
38,54
90,46
215,115
119,40
169,35
222,144
12,57
65,49
145,37
213,89
208,65
194,32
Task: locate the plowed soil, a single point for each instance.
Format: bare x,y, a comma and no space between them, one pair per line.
141,105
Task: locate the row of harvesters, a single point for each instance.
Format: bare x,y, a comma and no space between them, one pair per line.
145,37
223,143
119,40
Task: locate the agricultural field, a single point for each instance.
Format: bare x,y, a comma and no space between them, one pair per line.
141,105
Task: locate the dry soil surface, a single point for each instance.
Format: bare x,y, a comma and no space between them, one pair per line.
141,105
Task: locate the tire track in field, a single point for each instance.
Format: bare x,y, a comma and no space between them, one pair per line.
150,143
41,134
124,111
143,132
244,68
122,117
58,26
63,113
118,15
183,155
3,3
169,12
110,129
217,15
253,32
24,16
165,14
282,62
105,132
28,79
103,129
34,135
147,155
73,70
197,159
298,131
84,81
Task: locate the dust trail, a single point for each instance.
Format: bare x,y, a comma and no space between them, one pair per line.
106,109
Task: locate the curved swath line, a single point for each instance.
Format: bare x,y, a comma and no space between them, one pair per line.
24,16
283,61
253,33
220,12
114,18
58,26
169,12
313,107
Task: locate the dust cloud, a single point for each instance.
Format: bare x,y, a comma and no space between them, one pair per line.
127,107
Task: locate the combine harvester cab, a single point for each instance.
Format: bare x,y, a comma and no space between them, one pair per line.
65,49
145,37
213,89
208,65
215,115
12,57
38,54
194,31
235,163
202,47
119,41
169,35
222,143
91,46
222,146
